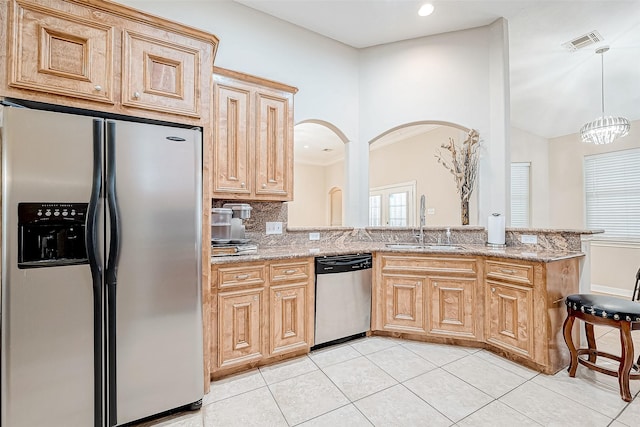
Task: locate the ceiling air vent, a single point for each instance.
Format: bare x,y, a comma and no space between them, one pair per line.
583,41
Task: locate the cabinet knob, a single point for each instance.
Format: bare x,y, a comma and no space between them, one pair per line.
493,289
136,95
242,184
255,297
435,284
98,88
264,185
277,294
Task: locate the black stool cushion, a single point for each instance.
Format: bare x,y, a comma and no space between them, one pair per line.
605,306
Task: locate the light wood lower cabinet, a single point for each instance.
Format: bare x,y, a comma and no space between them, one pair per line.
513,307
240,334
404,303
510,317
289,318
426,295
453,306
262,312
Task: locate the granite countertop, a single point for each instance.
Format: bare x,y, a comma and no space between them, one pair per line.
287,252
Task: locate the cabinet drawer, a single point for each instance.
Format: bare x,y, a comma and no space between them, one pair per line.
518,273
241,276
286,272
429,264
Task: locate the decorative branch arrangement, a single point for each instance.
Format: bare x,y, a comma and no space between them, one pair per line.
463,165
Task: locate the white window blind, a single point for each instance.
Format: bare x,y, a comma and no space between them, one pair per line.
520,194
612,193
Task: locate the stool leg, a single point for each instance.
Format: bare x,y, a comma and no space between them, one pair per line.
591,342
568,326
627,361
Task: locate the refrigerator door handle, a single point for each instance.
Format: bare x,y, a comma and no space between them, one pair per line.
95,265
112,269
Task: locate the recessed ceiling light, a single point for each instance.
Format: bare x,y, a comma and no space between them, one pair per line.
306,146
426,9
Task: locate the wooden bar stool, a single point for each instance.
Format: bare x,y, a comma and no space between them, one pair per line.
618,313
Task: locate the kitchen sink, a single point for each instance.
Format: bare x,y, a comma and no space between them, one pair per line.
418,246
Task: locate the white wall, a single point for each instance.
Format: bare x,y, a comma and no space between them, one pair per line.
458,77
526,147
449,77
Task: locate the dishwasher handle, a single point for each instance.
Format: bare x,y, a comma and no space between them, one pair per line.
341,264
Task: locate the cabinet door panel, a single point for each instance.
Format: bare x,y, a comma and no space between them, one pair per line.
288,318
404,303
274,145
232,147
161,72
56,52
510,317
452,306
239,327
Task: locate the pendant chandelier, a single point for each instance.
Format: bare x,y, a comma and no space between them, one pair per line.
605,129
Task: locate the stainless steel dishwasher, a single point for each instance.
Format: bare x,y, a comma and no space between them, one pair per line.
343,298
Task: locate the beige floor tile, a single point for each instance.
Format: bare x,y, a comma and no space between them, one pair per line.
346,416
397,406
497,414
438,354
287,369
372,344
254,408
448,394
359,377
332,355
487,377
631,414
182,419
507,364
597,391
400,363
307,396
552,409
616,423
233,386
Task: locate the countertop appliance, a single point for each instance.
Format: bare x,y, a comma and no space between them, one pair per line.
343,298
101,269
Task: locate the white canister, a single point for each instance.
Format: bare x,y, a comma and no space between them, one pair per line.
495,229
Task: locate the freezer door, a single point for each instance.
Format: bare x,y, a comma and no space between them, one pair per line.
47,313
154,176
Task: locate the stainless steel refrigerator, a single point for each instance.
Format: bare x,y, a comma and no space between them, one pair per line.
101,269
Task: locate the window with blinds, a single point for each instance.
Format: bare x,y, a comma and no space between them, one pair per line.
612,193
520,194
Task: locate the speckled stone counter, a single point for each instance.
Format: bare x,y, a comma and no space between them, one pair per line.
524,253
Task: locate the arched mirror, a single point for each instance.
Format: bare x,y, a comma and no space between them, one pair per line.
319,176
403,166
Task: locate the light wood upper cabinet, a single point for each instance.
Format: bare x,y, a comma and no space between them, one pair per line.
161,72
232,148
253,143
62,53
104,56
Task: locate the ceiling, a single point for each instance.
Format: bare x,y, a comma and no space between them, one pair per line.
553,91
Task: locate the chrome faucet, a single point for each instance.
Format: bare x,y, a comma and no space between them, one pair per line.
423,218
448,234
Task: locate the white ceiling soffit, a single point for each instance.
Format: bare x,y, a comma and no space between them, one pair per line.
553,91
